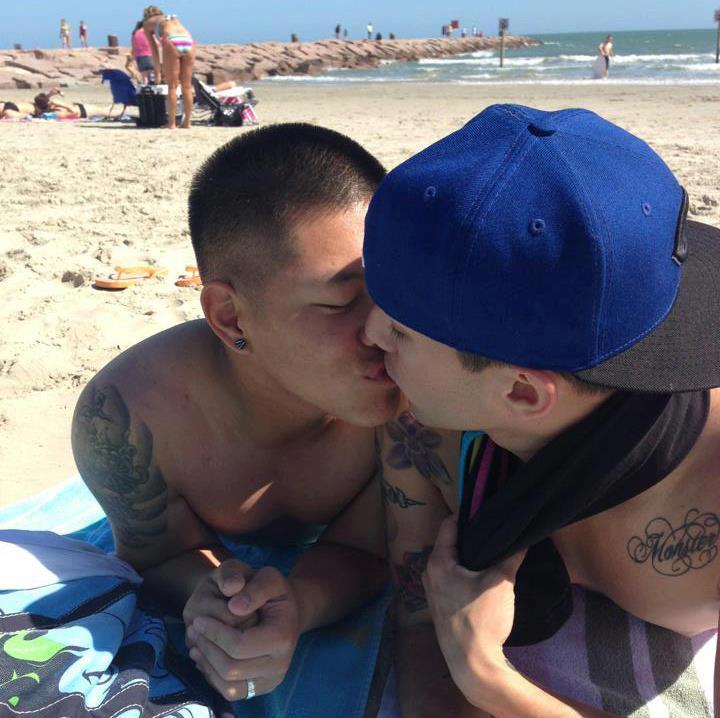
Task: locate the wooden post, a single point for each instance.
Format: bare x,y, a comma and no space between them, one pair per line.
503,25
717,39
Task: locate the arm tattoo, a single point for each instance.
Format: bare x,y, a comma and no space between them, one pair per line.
395,495
414,445
409,578
115,459
673,552
391,494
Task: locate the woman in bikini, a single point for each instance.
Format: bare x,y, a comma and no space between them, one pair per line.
178,58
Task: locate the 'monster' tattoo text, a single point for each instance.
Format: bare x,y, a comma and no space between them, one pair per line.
674,551
414,445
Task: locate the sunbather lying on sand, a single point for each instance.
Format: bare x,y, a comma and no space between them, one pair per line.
41,105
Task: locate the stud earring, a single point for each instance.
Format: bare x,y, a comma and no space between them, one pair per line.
240,343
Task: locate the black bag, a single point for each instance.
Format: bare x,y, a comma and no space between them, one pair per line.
152,108
229,115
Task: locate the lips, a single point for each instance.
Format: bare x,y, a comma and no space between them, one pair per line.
376,371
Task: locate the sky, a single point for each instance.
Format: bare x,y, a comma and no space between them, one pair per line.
35,23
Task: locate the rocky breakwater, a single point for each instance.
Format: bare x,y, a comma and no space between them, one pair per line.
29,69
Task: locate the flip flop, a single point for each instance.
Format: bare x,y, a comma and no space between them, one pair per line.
189,280
125,277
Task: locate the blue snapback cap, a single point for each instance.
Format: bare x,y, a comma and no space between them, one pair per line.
550,240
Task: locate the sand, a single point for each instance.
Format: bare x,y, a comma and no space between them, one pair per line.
78,198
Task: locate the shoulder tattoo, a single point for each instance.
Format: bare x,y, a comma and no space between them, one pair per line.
675,551
414,445
114,455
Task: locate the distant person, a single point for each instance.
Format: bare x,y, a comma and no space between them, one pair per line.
391,36
142,52
83,32
464,32
345,34
178,59
337,31
378,36
369,30
606,50
65,33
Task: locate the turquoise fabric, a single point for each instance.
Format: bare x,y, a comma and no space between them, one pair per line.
330,675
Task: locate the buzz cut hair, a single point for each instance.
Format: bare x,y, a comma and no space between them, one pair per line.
248,196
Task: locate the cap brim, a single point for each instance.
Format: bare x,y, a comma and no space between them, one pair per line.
683,352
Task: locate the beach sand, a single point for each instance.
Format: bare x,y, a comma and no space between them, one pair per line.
77,199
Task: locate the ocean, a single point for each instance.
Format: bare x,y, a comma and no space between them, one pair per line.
657,57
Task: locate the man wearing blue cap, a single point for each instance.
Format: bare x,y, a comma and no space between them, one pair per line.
536,279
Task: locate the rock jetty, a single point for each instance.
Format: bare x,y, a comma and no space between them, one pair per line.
30,69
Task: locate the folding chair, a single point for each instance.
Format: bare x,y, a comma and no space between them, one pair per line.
122,88
233,110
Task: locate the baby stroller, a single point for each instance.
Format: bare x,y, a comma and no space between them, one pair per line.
230,108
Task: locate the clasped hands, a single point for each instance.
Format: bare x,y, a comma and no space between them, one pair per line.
242,625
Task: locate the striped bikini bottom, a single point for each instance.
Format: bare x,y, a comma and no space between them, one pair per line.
182,43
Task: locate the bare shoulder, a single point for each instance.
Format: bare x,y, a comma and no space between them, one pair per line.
657,555
115,432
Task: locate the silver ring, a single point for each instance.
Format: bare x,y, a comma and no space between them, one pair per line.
250,689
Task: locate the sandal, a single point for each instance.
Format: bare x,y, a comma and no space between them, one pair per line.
125,277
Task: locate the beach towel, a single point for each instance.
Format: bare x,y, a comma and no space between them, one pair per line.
85,643
605,658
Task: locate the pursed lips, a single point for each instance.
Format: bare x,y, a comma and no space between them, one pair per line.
377,371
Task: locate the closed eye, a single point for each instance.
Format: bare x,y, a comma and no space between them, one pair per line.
396,333
336,308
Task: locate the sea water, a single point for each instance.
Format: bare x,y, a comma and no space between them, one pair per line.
643,57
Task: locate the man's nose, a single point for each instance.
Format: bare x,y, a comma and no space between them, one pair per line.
373,333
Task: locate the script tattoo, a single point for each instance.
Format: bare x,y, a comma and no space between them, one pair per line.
409,578
115,459
674,551
414,445
395,495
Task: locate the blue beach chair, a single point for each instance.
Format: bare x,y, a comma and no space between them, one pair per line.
122,88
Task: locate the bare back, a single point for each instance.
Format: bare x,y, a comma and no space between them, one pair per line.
156,438
656,555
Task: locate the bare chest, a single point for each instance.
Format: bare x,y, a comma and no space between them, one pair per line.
656,556
235,488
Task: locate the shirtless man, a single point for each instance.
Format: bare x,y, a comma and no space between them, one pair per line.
259,417
606,50
552,295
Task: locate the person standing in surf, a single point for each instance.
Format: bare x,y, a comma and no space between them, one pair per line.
606,51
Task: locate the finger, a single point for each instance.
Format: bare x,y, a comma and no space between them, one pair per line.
230,669
230,690
264,639
267,584
215,607
233,641
445,548
231,576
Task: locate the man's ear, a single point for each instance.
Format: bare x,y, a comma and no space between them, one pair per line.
224,311
533,393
